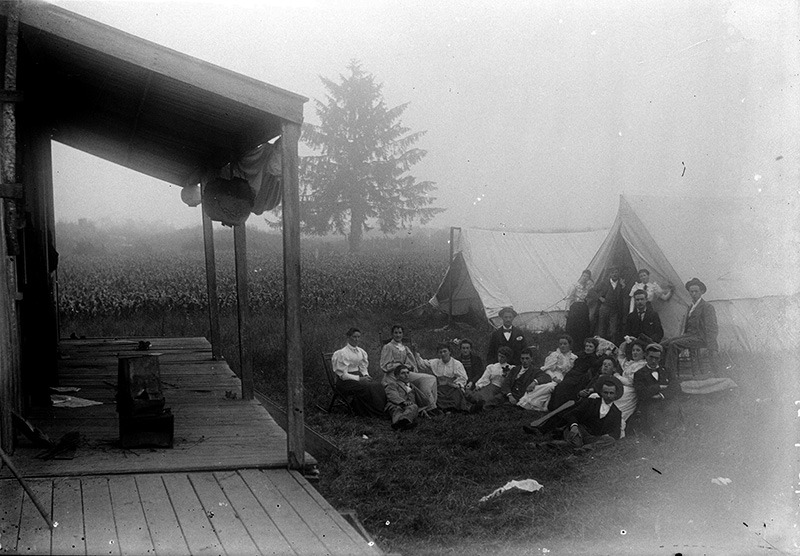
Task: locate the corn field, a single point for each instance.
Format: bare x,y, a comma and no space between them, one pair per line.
152,283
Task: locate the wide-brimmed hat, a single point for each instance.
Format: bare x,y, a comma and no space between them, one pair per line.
696,282
505,310
609,379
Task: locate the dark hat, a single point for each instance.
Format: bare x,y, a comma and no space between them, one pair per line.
696,282
609,379
507,351
504,310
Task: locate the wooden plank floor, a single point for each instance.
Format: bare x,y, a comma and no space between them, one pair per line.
212,430
270,511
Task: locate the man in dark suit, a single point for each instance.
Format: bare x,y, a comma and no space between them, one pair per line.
653,387
507,335
700,330
643,319
596,421
520,378
611,295
473,364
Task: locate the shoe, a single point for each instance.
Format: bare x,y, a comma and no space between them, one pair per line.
574,438
403,424
532,430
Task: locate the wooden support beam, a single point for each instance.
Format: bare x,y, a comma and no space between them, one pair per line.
38,314
291,296
10,96
318,446
243,311
211,285
12,191
10,371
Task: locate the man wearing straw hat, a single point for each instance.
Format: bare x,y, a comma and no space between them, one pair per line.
700,330
507,335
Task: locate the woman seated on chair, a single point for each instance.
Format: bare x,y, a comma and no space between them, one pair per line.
395,353
352,378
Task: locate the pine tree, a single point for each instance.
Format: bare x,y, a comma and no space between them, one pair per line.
360,177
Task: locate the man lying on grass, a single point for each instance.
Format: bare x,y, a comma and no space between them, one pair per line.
592,421
402,402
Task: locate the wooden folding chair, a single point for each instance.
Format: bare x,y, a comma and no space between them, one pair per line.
337,398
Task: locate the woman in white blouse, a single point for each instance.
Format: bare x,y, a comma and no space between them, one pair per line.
351,366
557,364
627,402
395,353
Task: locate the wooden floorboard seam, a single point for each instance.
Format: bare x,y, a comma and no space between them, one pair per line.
300,541
144,514
335,538
267,525
175,512
232,506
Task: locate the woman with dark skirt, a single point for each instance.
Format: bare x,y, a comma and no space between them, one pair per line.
578,377
578,324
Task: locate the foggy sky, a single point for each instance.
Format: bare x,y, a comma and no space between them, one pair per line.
538,114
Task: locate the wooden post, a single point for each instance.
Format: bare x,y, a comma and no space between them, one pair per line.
243,311
211,284
38,313
9,337
291,296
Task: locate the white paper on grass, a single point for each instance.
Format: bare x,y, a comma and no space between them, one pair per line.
71,401
529,485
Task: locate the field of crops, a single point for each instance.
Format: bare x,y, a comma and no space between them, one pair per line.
122,284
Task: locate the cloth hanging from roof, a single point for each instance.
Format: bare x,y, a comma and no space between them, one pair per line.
261,167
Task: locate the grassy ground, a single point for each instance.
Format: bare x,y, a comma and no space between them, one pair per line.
418,492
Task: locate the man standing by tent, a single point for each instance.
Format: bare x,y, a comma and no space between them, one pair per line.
611,294
700,330
506,335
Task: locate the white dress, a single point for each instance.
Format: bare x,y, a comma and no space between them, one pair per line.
556,365
627,402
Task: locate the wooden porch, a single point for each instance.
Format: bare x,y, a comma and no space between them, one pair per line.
214,427
223,488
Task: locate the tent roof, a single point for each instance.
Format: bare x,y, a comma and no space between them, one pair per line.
530,271
139,104
739,247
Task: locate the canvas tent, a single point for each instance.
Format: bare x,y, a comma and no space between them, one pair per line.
745,249
531,272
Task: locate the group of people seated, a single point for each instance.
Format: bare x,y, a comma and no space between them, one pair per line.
588,396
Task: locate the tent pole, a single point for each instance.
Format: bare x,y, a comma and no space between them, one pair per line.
449,262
